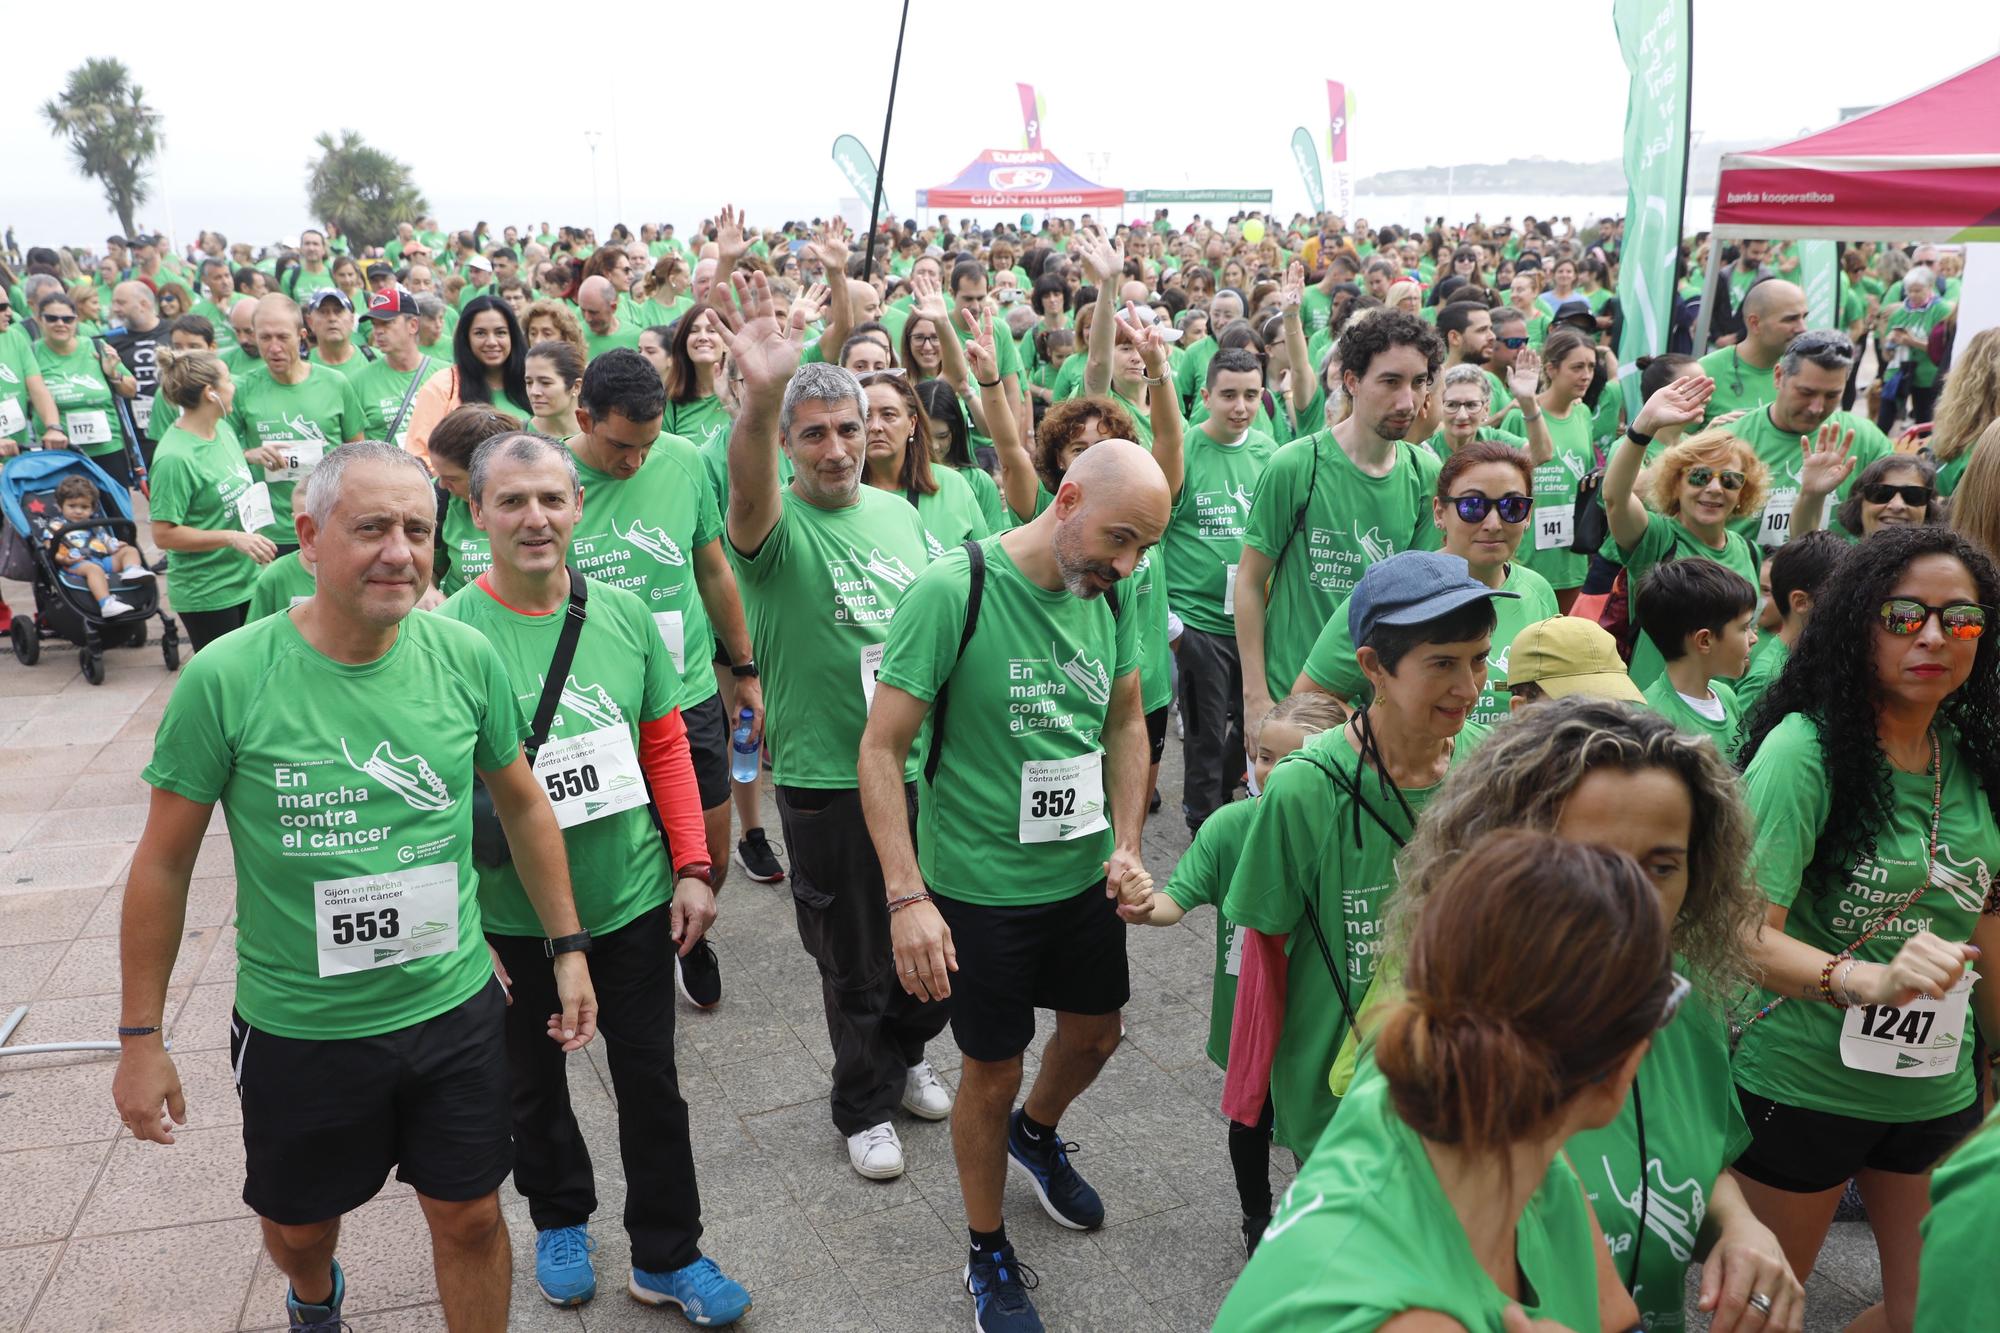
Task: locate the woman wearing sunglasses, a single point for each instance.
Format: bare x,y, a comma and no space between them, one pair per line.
1439,1197
1698,484
1874,775
82,381
1569,363
1485,496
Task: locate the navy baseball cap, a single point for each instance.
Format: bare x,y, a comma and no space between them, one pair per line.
1412,587
1576,311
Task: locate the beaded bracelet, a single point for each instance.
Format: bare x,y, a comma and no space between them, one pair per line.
898,904
1826,982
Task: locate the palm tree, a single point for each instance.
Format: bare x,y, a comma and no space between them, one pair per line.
361,190
111,132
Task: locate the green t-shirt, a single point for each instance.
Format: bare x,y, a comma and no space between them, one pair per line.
1671,704
1202,876
225,332
281,585
1148,585
319,413
1069,377
1951,471
1767,663
1793,1054
1780,451
341,785
1309,845
1666,539
1738,384
715,465
83,396
1958,1273
1917,360
1332,665
1019,813
464,553
17,366
1365,1232
950,514
597,344
820,594
621,677
196,483
1556,482
1204,538
1322,521
300,285
986,495
381,388
1694,1128
642,534
1191,374
704,423
1008,359
357,360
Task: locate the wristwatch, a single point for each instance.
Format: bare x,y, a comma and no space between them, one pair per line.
701,870
744,670
577,943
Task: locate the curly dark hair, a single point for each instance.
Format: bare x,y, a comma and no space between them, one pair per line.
1065,421
1365,339
1830,678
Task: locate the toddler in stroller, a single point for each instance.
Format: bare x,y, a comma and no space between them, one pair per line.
83,548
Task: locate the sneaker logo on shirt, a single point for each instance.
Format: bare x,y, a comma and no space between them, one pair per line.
890,569
593,703
1968,882
413,779
1239,493
1673,1212
7,374
305,428
654,542
935,546
1374,545
1088,675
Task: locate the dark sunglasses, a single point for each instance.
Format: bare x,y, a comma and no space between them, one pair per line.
58,319
1475,508
1905,616
1881,492
1516,343
1699,477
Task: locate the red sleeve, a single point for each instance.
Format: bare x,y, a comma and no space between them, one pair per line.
1253,1030
663,753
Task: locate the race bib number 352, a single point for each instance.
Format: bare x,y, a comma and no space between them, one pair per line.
373,921
1062,799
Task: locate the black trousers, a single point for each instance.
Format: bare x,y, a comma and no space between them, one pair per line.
205,627
878,1029
1922,401
633,972
1211,688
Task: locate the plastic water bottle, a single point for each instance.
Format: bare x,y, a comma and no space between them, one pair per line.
743,749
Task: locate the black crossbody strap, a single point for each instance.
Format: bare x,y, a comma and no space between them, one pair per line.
975,559
409,396
552,684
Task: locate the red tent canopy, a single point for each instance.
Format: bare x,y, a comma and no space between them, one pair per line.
1926,167
1025,178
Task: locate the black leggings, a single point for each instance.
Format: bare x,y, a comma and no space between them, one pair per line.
203,627
1250,1159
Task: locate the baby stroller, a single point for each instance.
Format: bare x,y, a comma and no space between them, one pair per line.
64,608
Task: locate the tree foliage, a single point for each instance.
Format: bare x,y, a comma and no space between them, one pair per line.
361,190
112,134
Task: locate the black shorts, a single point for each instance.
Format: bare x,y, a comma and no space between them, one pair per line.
118,467
323,1121
1156,732
1067,955
707,726
1803,1151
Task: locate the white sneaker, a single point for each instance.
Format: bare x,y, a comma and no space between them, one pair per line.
876,1153
114,606
924,1094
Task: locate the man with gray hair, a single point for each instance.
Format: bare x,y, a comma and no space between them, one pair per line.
368,1021
823,563
600,694
1808,380
597,299
433,326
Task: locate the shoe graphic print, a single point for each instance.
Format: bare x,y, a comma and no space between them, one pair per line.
1373,544
1968,882
888,568
654,542
1241,494
591,703
413,779
1088,675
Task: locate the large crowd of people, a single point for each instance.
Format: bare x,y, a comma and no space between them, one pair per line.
1595,774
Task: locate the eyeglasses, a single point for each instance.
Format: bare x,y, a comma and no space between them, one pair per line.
1516,343
1460,409
1821,341
58,319
917,338
1881,492
1699,477
1676,997
1474,508
1905,616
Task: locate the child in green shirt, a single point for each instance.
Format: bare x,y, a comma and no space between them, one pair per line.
1699,614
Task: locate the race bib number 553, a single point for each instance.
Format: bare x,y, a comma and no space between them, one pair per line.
372,921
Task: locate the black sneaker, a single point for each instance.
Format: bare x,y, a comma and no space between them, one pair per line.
1000,1284
699,976
1153,806
1254,1225
1064,1194
759,862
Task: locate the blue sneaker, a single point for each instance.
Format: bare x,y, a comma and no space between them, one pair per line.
1065,1195
999,1284
318,1318
562,1265
705,1294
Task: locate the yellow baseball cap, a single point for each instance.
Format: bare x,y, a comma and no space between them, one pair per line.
1568,655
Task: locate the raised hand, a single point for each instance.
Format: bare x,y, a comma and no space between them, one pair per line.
1824,464
1677,404
927,298
832,246
764,354
731,242
1100,261
814,302
1526,376
980,353
1145,335
1293,293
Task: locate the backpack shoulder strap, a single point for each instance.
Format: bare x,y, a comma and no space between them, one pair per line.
975,560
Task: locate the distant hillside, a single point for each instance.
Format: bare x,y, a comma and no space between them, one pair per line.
1541,175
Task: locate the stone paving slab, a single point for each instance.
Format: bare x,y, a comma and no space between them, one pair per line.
98,1232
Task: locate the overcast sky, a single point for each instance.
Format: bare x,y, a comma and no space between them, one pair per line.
492,115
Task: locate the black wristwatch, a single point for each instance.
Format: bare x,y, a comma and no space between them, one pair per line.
577,943
744,671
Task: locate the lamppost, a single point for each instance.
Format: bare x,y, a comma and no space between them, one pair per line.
592,137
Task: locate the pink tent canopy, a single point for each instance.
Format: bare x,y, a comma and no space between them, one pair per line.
1021,178
1926,167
